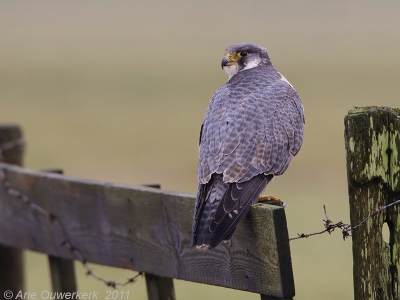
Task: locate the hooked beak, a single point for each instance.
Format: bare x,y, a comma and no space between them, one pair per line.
225,61
228,60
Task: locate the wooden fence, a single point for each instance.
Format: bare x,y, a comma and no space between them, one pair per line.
148,230
133,227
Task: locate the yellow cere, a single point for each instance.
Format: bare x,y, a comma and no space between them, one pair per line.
232,57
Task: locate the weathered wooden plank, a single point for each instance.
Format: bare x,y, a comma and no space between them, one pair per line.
144,229
11,259
372,137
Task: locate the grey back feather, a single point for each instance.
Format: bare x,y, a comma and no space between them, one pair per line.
253,125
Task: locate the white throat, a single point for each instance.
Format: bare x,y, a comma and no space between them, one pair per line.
231,70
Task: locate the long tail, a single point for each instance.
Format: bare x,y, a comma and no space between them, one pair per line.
220,206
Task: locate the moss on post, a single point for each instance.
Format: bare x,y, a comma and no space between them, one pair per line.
372,140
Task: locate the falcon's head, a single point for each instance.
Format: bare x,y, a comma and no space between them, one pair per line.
241,57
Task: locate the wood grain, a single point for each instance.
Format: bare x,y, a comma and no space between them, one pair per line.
144,229
372,137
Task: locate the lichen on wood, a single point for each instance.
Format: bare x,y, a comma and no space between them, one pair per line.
372,141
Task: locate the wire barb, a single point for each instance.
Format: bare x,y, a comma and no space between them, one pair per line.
346,228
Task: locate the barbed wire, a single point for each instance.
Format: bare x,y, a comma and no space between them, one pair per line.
328,224
54,219
346,228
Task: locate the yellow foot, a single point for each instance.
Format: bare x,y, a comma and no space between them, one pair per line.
271,200
268,198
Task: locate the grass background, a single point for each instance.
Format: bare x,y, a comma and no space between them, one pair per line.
116,91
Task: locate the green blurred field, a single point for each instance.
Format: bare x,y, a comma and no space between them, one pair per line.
116,91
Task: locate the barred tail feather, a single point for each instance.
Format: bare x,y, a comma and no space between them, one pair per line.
220,206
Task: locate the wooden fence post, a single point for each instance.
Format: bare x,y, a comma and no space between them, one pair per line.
264,297
158,287
62,270
372,139
11,259
62,273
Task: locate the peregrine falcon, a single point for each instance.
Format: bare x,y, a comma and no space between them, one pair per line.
251,130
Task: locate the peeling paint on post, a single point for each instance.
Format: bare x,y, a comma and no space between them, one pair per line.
372,139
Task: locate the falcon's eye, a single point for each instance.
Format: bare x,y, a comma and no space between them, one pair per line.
244,53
